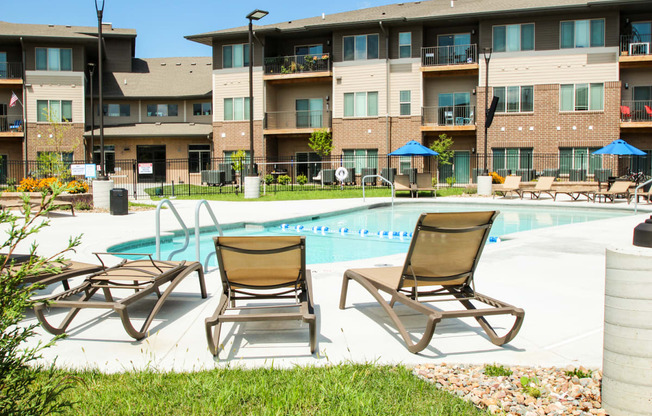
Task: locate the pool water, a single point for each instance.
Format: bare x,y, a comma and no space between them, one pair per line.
327,241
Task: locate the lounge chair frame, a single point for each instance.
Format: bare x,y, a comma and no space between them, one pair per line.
617,188
402,183
143,276
424,183
300,290
459,287
511,185
543,186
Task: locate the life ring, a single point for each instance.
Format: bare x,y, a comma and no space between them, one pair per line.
341,173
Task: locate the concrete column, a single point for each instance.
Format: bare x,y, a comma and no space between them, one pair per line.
484,185
101,194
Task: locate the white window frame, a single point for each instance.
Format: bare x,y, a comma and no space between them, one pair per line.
520,28
408,103
366,105
574,110
520,101
60,118
245,108
409,45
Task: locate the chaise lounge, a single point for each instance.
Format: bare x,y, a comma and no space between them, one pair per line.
440,265
512,185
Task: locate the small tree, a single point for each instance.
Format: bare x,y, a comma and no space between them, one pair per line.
27,387
237,159
443,145
321,141
58,139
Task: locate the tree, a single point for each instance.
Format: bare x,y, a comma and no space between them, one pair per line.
321,141
443,147
20,393
237,159
51,163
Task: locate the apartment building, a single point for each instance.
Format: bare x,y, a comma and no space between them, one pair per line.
154,109
571,75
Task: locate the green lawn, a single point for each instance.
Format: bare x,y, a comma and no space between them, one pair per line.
181,192
331,390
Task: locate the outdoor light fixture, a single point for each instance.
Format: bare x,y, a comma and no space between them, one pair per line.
487,57
255,15
91,71
99,7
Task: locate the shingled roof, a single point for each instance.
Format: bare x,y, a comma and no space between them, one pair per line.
17,30
420,10
162,77
155,130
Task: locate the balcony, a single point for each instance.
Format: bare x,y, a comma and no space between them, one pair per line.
11,73
11,126
448,118
635,51
298,67
296,122
636,114
450,60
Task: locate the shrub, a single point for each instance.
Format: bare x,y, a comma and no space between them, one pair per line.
284,179
497,371
269,179
496,178
83,206
578,373
471,190
302,179
450,181
531,386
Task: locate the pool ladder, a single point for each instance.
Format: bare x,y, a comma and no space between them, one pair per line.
185,230
382,180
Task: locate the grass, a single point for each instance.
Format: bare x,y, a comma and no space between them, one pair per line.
354,389
496,370
181,192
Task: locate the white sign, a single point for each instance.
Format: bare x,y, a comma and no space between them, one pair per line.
145,168
91,170
76,170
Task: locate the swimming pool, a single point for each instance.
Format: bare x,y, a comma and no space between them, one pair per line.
327,241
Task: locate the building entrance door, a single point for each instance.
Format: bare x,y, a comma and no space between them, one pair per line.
154,154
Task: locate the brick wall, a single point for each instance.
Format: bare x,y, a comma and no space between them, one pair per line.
72,140
235,139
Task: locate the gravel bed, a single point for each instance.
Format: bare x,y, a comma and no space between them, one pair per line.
559,391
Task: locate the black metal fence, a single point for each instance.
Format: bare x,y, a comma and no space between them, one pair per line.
176,177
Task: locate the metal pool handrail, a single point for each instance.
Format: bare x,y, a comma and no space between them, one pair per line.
636,195
158,229
217,227
382,179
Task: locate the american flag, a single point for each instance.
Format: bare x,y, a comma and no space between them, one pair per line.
14,99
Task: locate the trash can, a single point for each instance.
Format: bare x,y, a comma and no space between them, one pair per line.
119,201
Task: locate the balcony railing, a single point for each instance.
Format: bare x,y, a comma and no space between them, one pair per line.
11,70
11,124
293,120
635,45
297,64
640,110
453,115
449,55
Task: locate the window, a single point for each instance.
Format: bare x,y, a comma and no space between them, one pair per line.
405,103
199,157
53,59
313,50
235,56
236,109
512,158
405,45
201,109
361,104
511,38
360,47
581,97
454,108
578,158
514,99
309,113
582,33
109,157
360,158
54,111
117,110
162,110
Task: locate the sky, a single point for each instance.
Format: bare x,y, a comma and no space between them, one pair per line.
161,25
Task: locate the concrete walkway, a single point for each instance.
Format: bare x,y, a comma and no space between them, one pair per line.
555,274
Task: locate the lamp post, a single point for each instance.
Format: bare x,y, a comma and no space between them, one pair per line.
99,7
255,15
487,57
91,72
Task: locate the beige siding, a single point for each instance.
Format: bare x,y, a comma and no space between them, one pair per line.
190,118
230,83
370,76
432,87
283,98
401,80
69,87
553,67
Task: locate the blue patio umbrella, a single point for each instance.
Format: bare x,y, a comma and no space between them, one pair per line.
413,148
619,147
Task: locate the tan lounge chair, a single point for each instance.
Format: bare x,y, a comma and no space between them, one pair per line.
543,186
424,183
402,183
143,276
440,264
67,270
262,268
616,189
512,185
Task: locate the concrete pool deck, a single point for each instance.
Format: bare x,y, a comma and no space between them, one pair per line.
555,274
